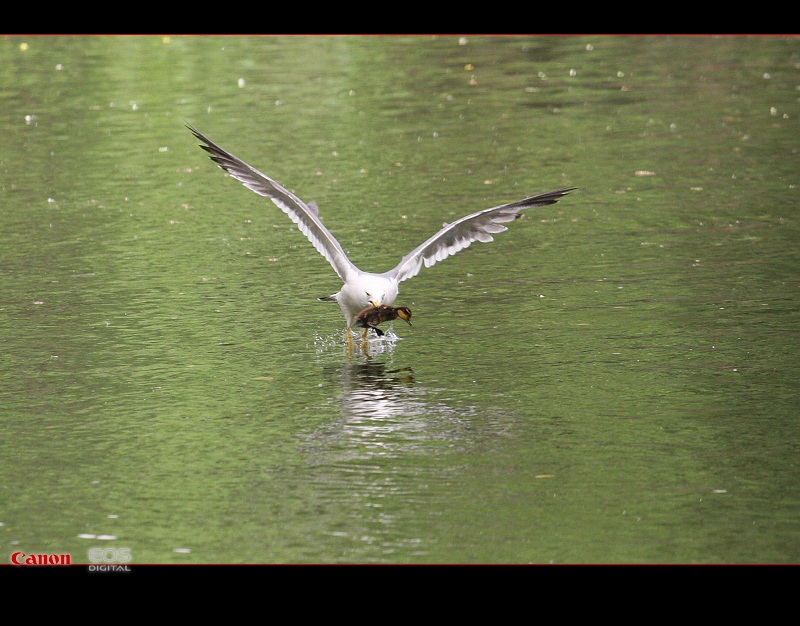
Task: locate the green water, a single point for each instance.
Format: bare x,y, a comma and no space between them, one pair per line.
613,380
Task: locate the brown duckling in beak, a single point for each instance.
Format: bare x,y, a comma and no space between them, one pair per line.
374,315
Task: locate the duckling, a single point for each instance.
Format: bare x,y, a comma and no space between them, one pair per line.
374,315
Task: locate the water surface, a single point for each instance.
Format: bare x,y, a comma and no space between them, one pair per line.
613,380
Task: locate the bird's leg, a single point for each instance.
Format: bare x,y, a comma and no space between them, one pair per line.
364,334
348,340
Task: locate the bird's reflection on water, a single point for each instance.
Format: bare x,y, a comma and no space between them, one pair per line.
395,440
381,408
373,391
384,409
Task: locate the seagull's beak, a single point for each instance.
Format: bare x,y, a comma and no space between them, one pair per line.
375,303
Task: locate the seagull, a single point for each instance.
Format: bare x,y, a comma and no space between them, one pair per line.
366,289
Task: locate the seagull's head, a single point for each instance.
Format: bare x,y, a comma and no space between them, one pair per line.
378,291
364,290
375,299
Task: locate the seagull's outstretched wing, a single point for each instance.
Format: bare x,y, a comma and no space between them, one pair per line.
306,216
460,234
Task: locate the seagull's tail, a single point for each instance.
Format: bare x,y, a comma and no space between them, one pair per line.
329,298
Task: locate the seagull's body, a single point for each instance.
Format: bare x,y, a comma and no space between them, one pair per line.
365,289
